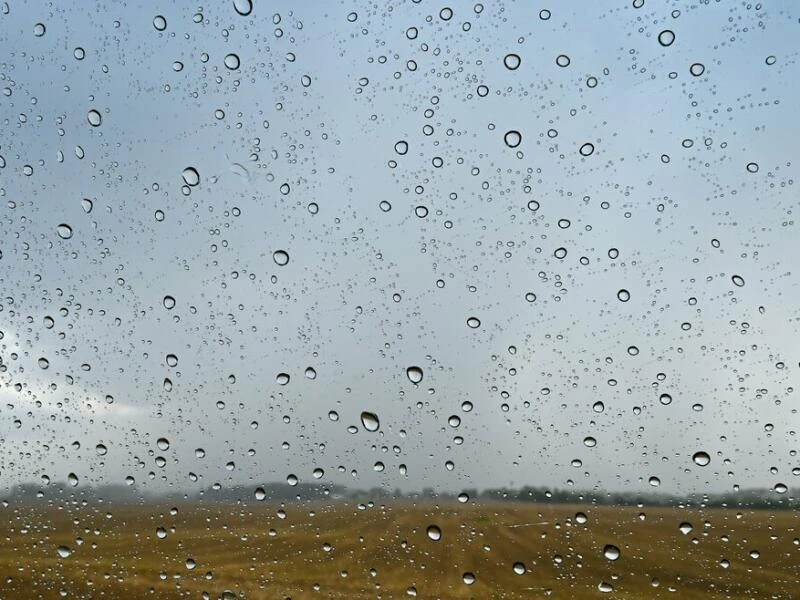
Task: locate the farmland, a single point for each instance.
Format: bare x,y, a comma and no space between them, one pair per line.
352,550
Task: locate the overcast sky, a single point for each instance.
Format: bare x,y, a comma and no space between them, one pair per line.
611,295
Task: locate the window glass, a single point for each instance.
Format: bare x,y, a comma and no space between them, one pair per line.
389,299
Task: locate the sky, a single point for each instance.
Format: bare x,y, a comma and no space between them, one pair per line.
236,230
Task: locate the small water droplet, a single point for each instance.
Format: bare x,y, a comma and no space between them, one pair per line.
39,29
64,551
685,528
72,479
738,280
473,322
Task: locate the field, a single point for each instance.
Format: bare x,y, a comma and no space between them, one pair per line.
384,551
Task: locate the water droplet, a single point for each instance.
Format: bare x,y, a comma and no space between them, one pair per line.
370,421
162,443
101,449
434,533
581,518
697,69
468,578
473,322
94,118
589,442
666,37
401,147
172,360
654,481
385,206
199,453
72,479
463,497
611,552
770,60
685,528
160,23
560,253
64,231
586,149
665,399
190,176
755,554
780,488
633,350
281,258
310,373
738,280
446,13
243,7
232,61
43,363
512,61
169,302
161,533
414,374
421,211
292,479
752,167
520,568
282,378
605,587
39,29
562,60
623,295
512,138
598,407
64,551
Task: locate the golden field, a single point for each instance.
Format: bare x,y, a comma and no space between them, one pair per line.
347,550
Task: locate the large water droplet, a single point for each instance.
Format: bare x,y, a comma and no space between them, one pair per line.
370,421
162,443
72,479
512,138
169,302
623,295
94,118
281,258
160,23
434,532
512,61
232,61
701,458
520,568
666,37
685,528
414,374
738,280
611,552
87,205
282,378
473,322
243,7
64,551
64,231
401,147
586,149
39,29
190,176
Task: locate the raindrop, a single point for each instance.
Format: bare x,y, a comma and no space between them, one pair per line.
562,60
79,53
311,373
589,442
163,444
160,23
172,360
101,449
434,533
770,60
260,494
701,458
586,149
560,253
520,568
581,518
738,280
401,147
666,37
39,29
473,322
421,211
370,421
64,551
414,374
64,231
697,69
665,399
281,257
232,61
72,479
87,205
752,167
611,552
161,533
169,302
780,488
468,578
623,295
513,138
243,7
685,528
190,176
43,363
282,378
512,61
